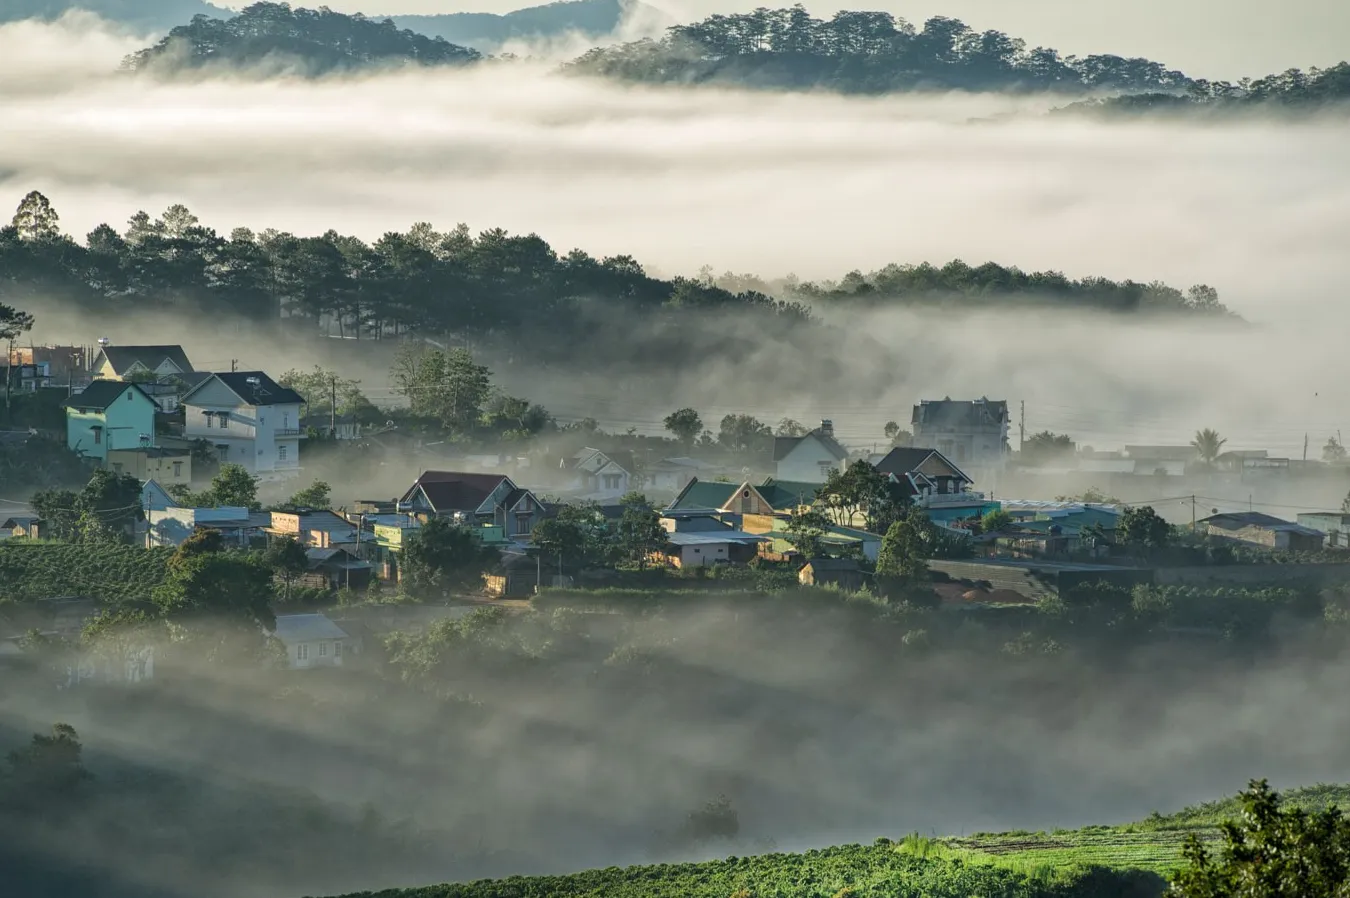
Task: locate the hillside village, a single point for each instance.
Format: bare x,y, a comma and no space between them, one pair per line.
925,521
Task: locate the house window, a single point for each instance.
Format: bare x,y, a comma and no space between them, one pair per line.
323,650
302,652
337,649
98,436
178,469
281,453
208,420
224,419
612,481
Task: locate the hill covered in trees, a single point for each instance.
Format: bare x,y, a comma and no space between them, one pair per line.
865,52
314,41
1294,90
492,283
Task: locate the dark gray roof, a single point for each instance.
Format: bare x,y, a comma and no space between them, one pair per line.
102,393
907,459
264,392
123,357
834,564
960,412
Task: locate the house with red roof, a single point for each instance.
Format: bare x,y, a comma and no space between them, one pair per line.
475,499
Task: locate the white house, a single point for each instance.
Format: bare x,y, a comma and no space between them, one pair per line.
250,419
172,525
312,640
811,458
123,362
599,476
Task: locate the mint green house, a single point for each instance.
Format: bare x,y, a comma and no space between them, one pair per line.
109,414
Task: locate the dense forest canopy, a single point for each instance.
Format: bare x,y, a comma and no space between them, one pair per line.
320,40
455,282
1294,89
865,52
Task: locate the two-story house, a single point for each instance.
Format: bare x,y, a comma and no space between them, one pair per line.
109,414
475,500
250,419
971,433
935,484
811,458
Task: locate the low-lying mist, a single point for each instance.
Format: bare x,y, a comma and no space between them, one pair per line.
764,183
568,740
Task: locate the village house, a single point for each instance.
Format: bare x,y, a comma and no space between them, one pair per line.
26,378
20,525
250,419
935,484
811,458
109,414
670,475
338,427
1335,524
1258,529
595,475
314,528
140,362
237,525
773,496
166,466
515,576
475,500
781,546
335,568
845,573
700,547
313,640
969,432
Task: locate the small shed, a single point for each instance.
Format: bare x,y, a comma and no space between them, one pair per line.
335,569
844,573
1258,529
313,640
516,576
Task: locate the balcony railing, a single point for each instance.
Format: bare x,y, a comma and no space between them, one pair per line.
935,500
289,432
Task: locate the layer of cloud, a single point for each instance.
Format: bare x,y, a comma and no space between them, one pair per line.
765,183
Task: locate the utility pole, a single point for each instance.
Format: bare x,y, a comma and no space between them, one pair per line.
332,406
234,365
1022,427
1192,513
1305,447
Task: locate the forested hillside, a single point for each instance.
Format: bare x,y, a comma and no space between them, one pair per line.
492,283
865,52
315,41
1291,90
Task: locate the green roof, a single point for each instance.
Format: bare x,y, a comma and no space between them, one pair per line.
700,494
787,494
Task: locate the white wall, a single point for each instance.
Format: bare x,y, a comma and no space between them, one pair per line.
803,463
696,556
317,653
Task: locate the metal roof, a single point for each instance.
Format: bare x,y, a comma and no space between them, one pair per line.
294,628
713,539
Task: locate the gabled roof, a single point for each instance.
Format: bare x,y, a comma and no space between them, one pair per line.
704,494
102,393
783,495
908,459
960,412
834,564
739,537
294,628
783,446
252,388
18,520
122,358
454,491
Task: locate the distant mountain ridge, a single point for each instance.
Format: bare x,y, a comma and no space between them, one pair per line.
488,31
142,15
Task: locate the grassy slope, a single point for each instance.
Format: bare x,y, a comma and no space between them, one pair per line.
1127,861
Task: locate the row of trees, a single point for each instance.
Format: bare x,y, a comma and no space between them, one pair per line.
865,52
1292,89
418,280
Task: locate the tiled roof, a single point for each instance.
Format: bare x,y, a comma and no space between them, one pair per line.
123,357
783,446
264,392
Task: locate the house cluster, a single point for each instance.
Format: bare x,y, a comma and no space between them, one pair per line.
146,408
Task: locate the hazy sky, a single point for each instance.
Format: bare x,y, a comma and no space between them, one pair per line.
1206,38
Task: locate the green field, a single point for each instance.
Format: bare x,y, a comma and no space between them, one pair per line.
1127,861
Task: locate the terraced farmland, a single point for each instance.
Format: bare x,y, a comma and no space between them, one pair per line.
1158,851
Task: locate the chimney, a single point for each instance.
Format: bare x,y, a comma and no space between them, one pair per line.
827,427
